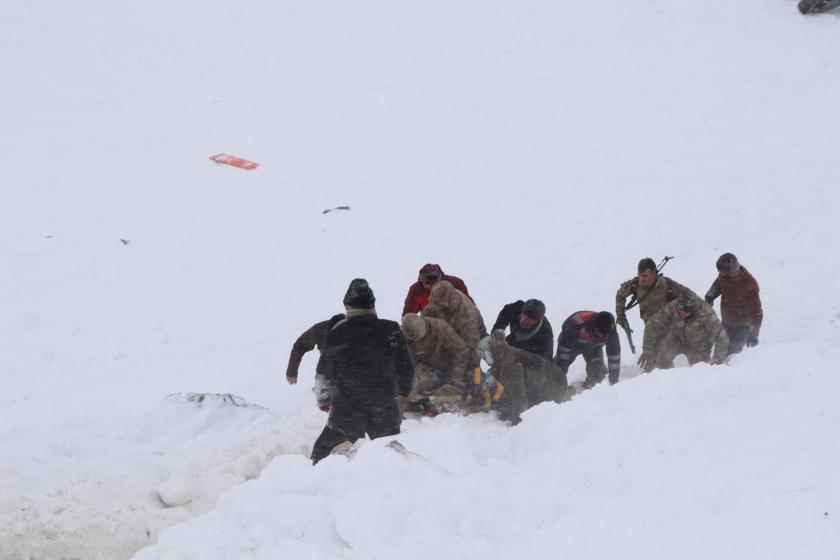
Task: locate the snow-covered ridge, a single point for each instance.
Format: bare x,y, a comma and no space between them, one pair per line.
535,149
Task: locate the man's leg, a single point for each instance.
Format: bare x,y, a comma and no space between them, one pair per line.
737,337
328,439
595,368
383,419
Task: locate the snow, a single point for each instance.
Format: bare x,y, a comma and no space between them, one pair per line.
535,149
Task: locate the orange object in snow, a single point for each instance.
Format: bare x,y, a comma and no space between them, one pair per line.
234,161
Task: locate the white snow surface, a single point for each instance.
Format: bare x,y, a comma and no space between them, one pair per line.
533,148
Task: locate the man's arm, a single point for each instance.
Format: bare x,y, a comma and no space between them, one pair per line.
508,315
313,336
757,314
713,293
565,347
624,291
410,305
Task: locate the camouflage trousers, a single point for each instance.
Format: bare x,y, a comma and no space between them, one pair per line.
671,347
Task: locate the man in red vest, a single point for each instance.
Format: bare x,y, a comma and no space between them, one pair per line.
418,294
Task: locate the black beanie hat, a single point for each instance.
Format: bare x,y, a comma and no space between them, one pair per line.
728,262
645,264
534,308
603,322
359,295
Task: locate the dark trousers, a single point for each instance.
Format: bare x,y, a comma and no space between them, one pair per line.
352,423
737,337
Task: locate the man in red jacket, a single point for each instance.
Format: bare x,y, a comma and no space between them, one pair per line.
418,293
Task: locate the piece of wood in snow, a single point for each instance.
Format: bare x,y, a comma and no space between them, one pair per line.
328,210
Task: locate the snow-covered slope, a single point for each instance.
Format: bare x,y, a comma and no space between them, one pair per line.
535,149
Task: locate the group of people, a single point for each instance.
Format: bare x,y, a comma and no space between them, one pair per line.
373,371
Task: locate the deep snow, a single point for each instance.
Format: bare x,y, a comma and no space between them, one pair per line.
535,149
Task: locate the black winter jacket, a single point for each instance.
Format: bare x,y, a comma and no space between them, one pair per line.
364,361
539,341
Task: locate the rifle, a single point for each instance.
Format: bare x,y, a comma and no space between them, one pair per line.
634,302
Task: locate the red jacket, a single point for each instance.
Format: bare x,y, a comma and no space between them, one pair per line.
418,298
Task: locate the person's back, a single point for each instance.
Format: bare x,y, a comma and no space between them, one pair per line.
527,378
438,346
458,310
366,356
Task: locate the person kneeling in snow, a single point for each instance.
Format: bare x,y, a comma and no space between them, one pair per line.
525,378
364,364
586,333
687,326
442,357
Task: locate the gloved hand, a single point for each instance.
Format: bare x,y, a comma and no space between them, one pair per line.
324,407
752,341
291,380
646,362
710,300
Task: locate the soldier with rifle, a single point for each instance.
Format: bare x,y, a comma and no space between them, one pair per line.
650,290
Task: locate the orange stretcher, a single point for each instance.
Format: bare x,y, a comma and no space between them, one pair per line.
234,161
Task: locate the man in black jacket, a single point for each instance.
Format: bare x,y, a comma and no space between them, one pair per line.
529,329
364,365
586,333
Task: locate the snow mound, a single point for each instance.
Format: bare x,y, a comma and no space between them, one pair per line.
113,494
694,463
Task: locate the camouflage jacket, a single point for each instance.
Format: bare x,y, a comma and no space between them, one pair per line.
527,378
697,333
650,299
454,307
441,348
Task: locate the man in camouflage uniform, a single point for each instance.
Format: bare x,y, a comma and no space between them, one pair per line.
687,326
441,355
526,378
650,290
451,305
